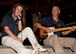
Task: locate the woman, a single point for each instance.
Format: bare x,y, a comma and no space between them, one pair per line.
14,31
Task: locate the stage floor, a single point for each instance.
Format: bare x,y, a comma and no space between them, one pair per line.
50,50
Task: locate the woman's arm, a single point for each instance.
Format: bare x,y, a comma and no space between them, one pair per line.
19,23
7,30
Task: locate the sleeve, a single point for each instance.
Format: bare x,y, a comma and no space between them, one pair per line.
43,21
5,21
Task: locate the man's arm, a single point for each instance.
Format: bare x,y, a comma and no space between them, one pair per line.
68,32
39,26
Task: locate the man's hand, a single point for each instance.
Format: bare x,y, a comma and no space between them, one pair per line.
48,29
72,29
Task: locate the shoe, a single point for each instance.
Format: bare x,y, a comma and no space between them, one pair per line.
40,48
35,51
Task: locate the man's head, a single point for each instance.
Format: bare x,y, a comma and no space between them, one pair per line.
55,10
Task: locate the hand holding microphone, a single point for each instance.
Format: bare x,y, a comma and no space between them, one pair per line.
19,16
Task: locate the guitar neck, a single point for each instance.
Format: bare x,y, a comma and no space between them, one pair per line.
63,29
43,33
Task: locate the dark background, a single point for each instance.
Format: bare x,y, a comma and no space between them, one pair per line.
68,9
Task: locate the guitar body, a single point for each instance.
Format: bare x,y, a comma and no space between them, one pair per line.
42,33
39,37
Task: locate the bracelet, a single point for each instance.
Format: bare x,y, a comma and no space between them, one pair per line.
19,20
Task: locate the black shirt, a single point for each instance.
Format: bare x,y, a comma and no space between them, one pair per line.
48,21
9,21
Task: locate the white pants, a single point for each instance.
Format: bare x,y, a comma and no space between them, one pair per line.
18,46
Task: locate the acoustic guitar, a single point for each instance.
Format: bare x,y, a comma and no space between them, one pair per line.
43,34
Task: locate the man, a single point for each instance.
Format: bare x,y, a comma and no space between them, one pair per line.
50,21
14,31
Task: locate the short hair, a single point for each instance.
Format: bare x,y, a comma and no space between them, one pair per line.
56,6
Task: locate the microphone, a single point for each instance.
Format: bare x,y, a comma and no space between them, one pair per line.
20,15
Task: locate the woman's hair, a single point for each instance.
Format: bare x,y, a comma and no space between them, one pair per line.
23,13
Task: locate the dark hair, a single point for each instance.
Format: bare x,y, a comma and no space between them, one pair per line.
23,13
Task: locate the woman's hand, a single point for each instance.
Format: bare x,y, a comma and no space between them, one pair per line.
19,39
19,16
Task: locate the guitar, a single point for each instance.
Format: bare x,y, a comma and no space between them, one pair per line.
43,34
